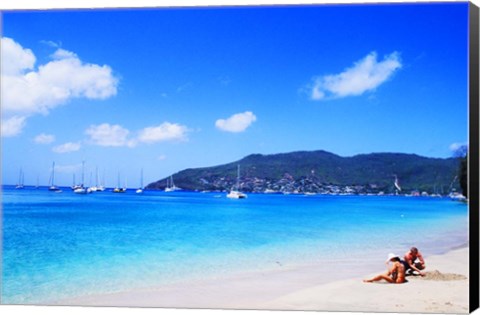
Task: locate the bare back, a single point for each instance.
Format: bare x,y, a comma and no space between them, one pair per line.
398,272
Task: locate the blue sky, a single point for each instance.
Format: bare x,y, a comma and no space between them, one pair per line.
170,89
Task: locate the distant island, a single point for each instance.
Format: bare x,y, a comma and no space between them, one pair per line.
325,173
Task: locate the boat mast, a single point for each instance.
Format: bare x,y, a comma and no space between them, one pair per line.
19,183
83,173
96,176
238,177
53,174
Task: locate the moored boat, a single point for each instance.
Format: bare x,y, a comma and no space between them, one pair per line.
236,193
171,186
140,190
119,189
81,189
52,186
20,184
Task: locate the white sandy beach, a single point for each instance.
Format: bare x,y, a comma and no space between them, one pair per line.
445,290
447,295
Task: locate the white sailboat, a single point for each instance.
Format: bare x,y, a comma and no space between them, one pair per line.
20,184
81,189
171,186
52,186
140,190
75,186
397,186
96,187
236,193
102,184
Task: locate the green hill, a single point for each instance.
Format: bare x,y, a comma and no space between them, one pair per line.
321,171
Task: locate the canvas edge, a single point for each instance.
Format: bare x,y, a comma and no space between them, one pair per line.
474,133
474,156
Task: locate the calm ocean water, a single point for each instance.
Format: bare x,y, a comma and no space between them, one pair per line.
62,245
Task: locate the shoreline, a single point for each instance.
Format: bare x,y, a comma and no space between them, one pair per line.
291,265
307,288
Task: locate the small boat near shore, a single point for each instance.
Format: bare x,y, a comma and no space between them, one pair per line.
171,186
236,193
457,197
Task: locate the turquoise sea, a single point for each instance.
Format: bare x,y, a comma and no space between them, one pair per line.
63,245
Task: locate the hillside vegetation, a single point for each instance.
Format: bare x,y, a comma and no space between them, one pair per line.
321,171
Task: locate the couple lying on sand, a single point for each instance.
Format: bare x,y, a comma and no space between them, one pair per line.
396,273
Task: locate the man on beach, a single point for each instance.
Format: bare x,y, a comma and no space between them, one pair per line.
395,274
409,261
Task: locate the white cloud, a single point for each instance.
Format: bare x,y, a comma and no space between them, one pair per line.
44,139
365,75
117,136
236,123
12,126
454,147
67,147
109,135
60,54
164,132
27,91
15,59
162,157
51,43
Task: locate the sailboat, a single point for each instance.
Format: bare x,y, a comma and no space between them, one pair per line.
20,184
236,193
140,190
52,186
75,186
397,186
171,186
81,189
94,188
102,184
118,189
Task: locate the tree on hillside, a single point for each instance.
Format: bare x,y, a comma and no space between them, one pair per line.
463,175
462,154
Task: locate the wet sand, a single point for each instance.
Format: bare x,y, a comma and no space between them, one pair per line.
443,290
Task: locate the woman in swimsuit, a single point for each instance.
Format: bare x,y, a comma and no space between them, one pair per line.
395,274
